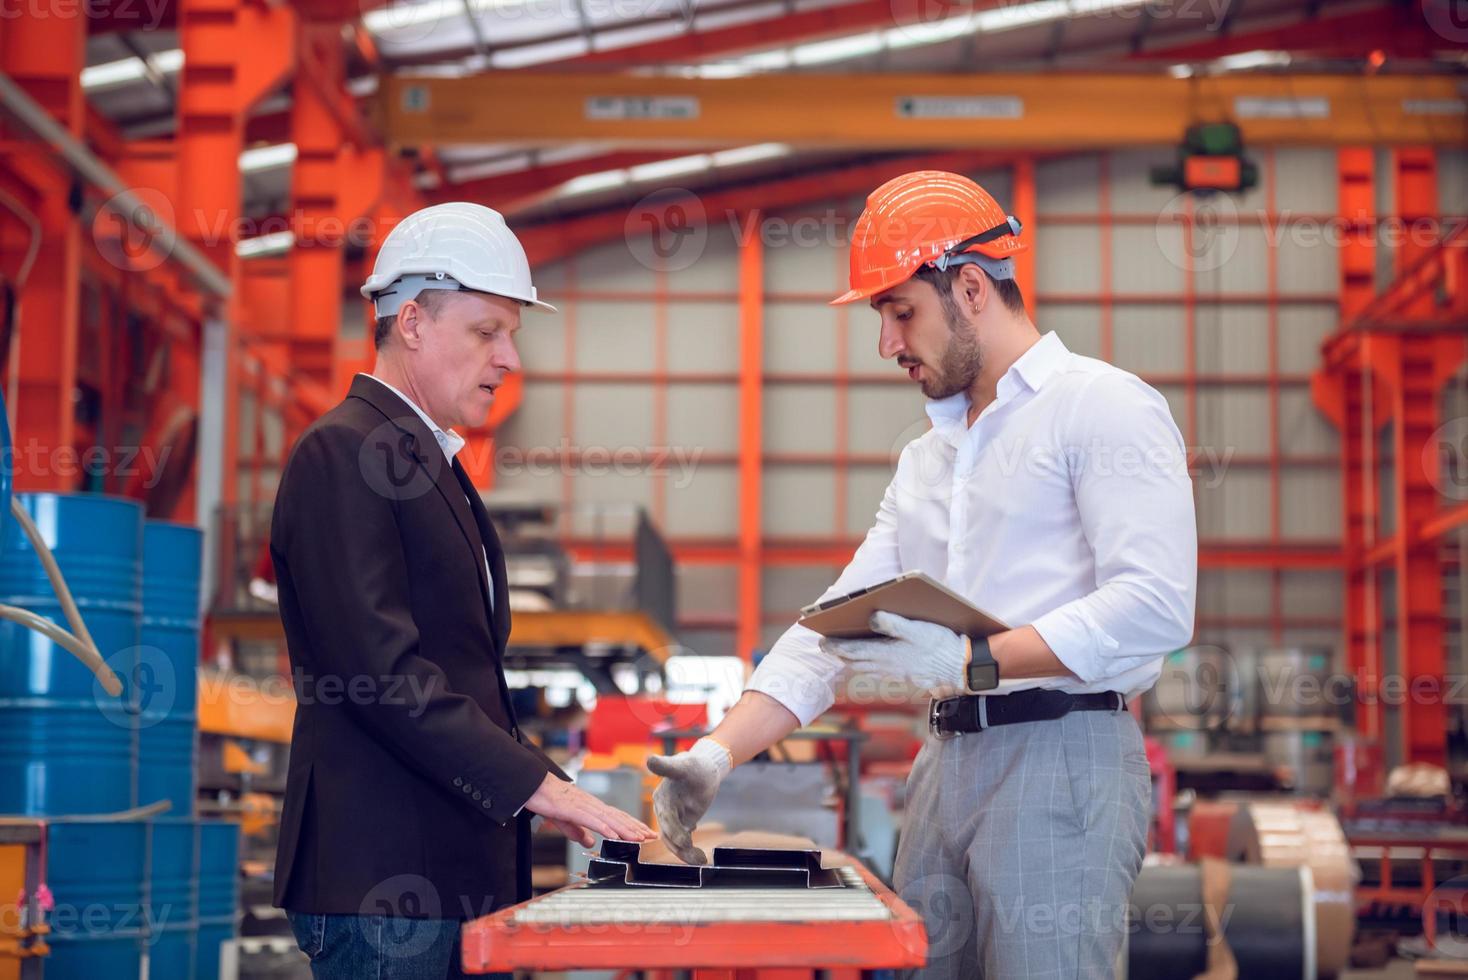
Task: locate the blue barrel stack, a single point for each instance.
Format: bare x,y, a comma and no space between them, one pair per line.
149,897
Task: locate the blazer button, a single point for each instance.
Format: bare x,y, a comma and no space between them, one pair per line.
468,788
485,804
458,780
478,795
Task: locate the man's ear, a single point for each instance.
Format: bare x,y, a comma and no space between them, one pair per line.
974,288
410,322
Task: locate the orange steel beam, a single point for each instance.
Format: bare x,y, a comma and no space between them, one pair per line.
751,432
45,55
873,111
514,191
336,179
580,628
1023,208
235,52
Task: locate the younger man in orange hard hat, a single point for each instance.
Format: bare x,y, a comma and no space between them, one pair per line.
1052,491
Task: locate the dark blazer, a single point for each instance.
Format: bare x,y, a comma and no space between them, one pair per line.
406,766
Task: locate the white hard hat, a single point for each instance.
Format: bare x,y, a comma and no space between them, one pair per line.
450,246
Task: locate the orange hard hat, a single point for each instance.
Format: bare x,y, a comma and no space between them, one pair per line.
928,216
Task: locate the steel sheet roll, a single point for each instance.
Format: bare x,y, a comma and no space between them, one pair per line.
67,747
1209,825
1283,834
1268,922
1298,688
96,873
166,692
1195,692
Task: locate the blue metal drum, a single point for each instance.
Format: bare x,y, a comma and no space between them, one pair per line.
96,872
166,677
219,895
173,899
66,746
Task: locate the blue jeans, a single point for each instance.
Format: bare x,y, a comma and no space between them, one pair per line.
354,947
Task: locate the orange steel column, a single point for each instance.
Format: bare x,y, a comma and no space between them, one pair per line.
751,431
44,54
235,52
1024,210
336,178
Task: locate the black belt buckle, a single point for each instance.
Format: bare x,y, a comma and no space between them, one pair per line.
935,716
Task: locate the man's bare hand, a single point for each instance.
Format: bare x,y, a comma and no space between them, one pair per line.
576,813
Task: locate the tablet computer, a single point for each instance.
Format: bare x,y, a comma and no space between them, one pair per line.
914,595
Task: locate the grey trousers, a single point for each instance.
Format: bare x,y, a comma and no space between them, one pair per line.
1020,845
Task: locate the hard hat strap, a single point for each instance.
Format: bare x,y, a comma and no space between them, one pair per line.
948,259
996,268
390,300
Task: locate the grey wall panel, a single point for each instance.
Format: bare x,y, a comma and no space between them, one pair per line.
1312,593
520,478
550,277
785,588
1306,180
1149,338
612,416
800,418
707,590
1233,639
1234,592
704,417
800,252
1303,431
1147,259
1238,509
541,340
614,335
1229,258
1234,419
709,643
703,337
999,183
608,489
612,266
1310,504
1299,636
702,502
865,486
1452,182
717,266
1131,186
540,420
881,418
863,328
1232,338
1069,185
797,501
1077,324
1065,259
1308,263
800,338
1302,328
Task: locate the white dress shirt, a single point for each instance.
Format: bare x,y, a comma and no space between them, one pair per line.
1066,506
450,442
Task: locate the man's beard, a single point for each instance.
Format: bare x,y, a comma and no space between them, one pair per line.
961,362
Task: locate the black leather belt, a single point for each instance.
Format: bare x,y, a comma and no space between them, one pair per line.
949,717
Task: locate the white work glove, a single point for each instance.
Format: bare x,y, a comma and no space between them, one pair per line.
927,655
690,781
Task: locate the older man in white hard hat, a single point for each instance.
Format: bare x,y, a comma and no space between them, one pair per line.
411,786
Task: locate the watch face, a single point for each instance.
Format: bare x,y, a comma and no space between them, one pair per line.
983,677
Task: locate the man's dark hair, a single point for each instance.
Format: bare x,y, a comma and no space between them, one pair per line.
431,300
942,281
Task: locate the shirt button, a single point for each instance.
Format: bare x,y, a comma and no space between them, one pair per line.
485,804
478,795
458,780
468,789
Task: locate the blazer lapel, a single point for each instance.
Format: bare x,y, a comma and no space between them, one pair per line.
495,553
427,451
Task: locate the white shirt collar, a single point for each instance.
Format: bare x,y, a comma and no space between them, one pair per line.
449,441
1032,369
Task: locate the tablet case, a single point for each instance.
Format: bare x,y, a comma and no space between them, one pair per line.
913,595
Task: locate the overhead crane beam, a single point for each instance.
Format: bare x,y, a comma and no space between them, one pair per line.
1031,111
